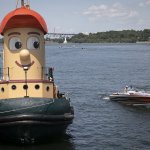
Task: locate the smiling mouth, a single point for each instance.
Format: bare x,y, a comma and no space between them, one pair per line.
28,65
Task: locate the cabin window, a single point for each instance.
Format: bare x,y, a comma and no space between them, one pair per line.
25,87
47,88
13,87
33,43
37,86
2,89
15,43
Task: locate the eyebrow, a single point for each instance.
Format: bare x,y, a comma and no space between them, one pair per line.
14,33
33,33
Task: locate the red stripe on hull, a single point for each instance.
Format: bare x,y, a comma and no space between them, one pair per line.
28,81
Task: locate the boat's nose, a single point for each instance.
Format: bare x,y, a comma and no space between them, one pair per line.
24,55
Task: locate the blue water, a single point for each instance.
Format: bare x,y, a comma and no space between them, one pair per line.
89,73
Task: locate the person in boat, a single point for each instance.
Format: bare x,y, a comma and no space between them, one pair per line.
126,89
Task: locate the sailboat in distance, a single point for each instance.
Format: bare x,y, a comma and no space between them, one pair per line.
65,41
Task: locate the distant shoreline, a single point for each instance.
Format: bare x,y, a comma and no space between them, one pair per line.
143,42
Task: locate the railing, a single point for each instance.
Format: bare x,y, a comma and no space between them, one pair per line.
4,72
46,73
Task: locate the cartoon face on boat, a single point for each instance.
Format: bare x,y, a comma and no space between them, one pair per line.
23,31
23,44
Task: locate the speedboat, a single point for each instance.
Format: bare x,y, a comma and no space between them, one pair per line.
131,97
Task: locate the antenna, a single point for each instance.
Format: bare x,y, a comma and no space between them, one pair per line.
17,3
28,4
22,3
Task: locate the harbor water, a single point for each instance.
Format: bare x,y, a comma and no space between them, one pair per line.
89,73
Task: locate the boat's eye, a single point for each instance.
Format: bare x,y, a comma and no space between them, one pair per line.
15,43
33,43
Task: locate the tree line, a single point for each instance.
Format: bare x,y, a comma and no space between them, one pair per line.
125,36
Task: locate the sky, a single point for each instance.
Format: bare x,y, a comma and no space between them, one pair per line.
88,16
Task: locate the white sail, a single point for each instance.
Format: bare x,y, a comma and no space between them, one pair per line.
65,41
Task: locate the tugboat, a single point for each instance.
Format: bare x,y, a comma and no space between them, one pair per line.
31,106
130,96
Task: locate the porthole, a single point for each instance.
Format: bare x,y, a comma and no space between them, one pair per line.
25,87
2,89
13,87
47,88
37,86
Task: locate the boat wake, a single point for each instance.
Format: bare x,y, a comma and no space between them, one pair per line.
106,98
